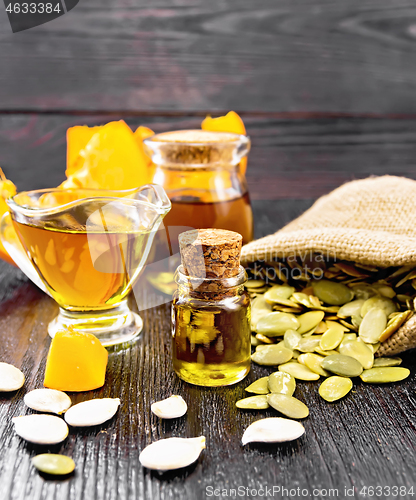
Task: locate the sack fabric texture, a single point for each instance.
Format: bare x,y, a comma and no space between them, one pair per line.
370,221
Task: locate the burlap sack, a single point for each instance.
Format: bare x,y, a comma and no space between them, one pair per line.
370,221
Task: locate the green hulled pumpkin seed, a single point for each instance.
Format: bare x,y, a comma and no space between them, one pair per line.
288,405
259,308
348,337
384,375
50,463
259,386
325,353
384,362
345,366
298,371
282,383
278,292
321,328
277,323
334,388
359,351
308,344
373,347
334,294
253,403
262,338
394,324
373,325
292,339
362,291
310,320
332,337
302,298
255,341
351,308
272,355
313,362
384,303
255,284
385,290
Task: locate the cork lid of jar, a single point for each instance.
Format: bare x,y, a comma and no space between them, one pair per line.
210,253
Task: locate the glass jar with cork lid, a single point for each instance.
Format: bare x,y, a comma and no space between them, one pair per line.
201,174
211,310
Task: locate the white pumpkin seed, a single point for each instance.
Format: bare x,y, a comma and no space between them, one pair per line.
172,407
11,378
41,429
298,371
334,388
50,463
92,412
253,403
172,453
48,400
273,430
287,405
373,325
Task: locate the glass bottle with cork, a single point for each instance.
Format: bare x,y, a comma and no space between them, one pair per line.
211,310
201,174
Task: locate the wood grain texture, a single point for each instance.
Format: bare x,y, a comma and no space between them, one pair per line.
301,158
366,439
268,55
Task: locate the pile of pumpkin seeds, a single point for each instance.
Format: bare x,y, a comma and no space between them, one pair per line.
316,318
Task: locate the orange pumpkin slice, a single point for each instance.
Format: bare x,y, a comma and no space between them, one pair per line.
76,139
231,122
76,362
112,159
7,189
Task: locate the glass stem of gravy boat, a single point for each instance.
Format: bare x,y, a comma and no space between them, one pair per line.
86,248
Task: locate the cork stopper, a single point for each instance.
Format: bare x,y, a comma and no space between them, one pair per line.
210,253
196,147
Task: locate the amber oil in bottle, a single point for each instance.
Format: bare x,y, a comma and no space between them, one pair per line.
211,310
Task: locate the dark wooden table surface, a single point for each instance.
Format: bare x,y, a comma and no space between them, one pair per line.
327,91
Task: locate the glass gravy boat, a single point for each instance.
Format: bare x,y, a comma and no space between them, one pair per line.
86,248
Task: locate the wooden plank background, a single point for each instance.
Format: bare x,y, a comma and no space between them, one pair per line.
355,57
327,90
